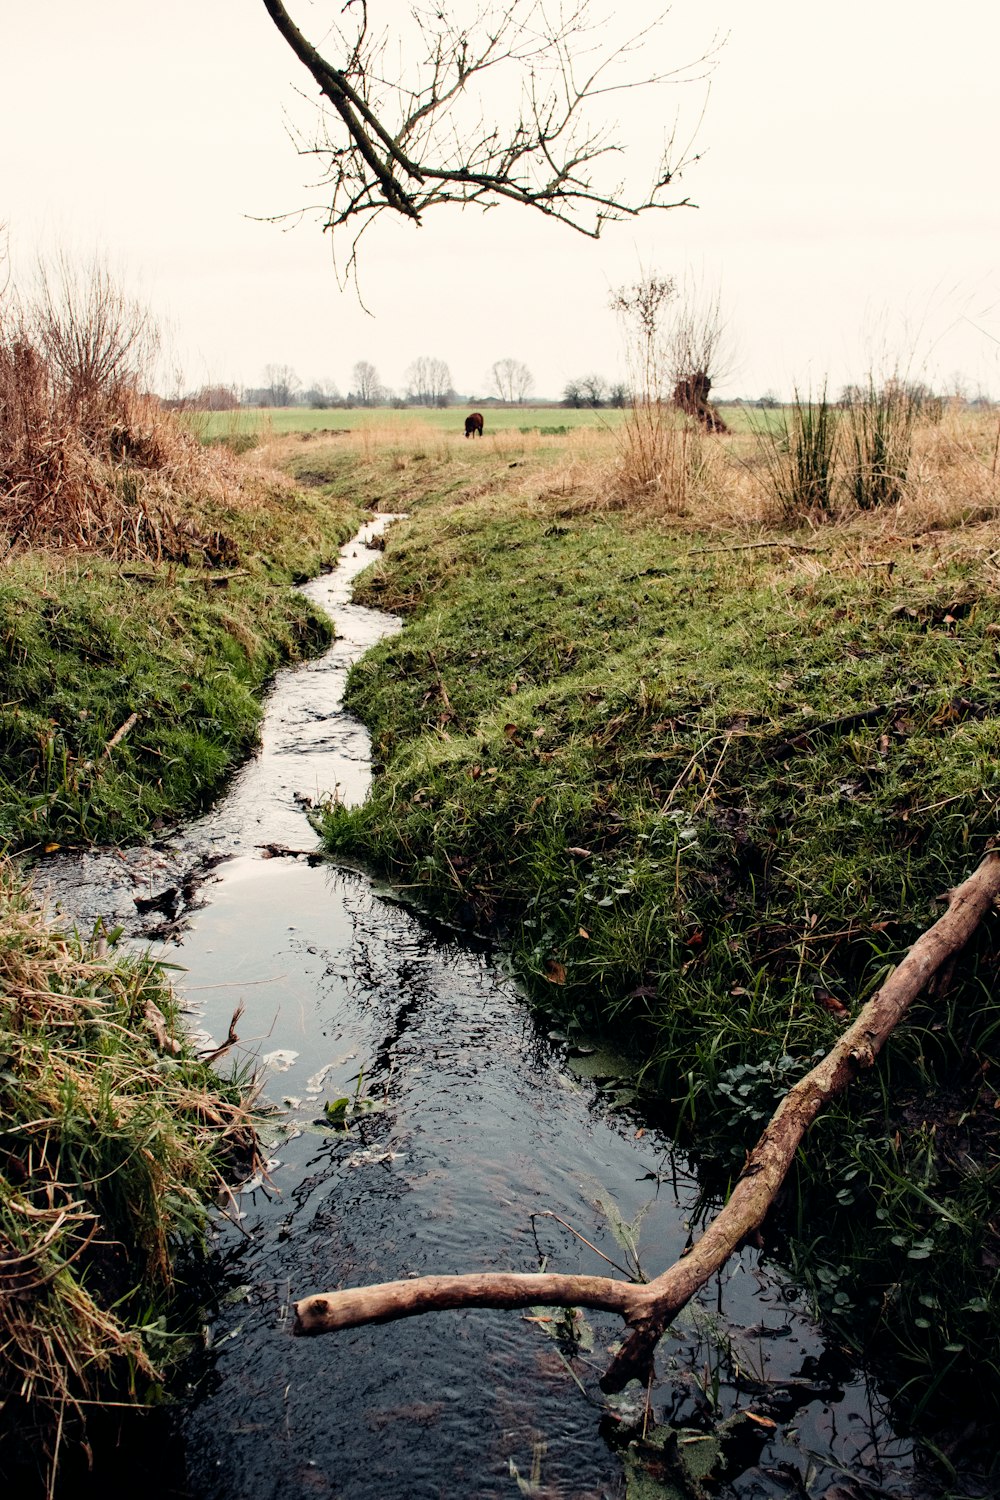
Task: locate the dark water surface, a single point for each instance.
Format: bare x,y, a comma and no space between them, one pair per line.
468,1120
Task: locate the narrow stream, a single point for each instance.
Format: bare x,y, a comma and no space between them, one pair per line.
469,1120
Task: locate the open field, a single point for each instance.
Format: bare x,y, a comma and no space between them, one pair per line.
278,421
708,773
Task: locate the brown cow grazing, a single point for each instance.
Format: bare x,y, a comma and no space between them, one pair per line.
474,424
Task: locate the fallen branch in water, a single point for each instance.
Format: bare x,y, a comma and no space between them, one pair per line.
282,851
232,1040
649,1309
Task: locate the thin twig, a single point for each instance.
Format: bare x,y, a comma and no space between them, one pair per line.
711,781
115,739
749,546
844,721
547,1213
231,1040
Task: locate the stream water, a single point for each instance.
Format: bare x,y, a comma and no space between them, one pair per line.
469,1119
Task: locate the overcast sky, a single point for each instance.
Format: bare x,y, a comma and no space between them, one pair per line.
847,196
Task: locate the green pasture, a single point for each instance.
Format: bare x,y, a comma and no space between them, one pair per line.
213,426
708,791
277,421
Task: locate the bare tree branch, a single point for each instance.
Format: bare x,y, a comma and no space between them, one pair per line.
511,380
497,108
428,381
650,1308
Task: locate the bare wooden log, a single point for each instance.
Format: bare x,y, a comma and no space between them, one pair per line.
649,1309
391,1300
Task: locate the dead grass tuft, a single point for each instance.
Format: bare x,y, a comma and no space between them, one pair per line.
87,458
955,479
113,1138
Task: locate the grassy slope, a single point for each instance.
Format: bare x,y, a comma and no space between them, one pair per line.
88,642
113,1138
573,683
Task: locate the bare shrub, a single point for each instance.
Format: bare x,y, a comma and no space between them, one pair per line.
98,342
697,340
215,397
87,457
658,453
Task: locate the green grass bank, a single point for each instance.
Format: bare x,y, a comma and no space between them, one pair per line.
175,651
710,788
146,598
114,1139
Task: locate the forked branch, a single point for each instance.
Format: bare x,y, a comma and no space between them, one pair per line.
649,1309
501,108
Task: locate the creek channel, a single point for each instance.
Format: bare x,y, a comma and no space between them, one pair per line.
469,1121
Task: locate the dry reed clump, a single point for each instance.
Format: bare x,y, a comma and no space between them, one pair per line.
683,477
113,1138
955,475
87,458
891,454
659,460
671,349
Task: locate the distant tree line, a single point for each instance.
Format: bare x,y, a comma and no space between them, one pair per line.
595,391
426,382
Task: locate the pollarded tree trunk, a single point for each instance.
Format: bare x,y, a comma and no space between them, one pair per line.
691,397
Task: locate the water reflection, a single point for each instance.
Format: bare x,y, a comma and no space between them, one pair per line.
474,1142
480,1126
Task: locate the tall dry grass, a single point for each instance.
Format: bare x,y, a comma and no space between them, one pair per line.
114,1141
880,425
89,459
751,483
800,455
893,455
660,453
955,471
